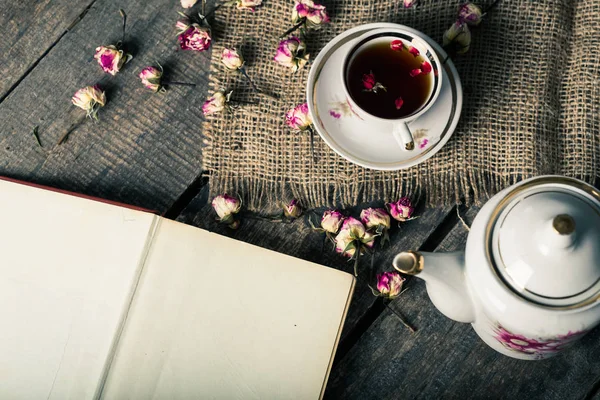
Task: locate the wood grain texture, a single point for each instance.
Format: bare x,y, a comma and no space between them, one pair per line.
447,360
28,28
298,240
146,149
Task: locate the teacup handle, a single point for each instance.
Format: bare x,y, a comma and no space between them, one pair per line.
403,136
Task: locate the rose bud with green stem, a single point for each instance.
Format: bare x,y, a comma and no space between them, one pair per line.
111,58
307,15
330,224
353,240
389,286
226,208
402,210
291,53
90,99
193,33
300,120
378,220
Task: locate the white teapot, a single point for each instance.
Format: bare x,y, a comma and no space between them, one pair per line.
529,280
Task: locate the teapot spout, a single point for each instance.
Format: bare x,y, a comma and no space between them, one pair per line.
444,277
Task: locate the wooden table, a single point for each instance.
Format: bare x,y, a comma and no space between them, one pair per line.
146,151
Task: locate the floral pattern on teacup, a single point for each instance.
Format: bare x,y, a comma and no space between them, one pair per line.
421,139
341,109
537,348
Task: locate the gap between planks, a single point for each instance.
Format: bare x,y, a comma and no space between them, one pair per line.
45,53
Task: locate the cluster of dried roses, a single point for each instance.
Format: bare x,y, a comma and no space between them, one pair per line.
351,237
192,35
291,53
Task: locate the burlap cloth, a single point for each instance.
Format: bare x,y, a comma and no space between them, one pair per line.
531,100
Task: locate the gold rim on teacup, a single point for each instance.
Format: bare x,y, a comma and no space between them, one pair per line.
400,128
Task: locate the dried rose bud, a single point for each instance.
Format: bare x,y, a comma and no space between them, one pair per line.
232,59
352,230
292,209
414,51
389,284
399,103
368,81
193,36
460,35
370,84
150,77
216,103
415,72
226,207
299,117
401,210
290,53
90,99
375,218
332,221
111,59
470,13
426,67
188,3
314,14
247,4
397,45
409,3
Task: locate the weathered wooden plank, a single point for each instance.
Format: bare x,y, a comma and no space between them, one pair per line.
146,149
300,241
446,359
28,28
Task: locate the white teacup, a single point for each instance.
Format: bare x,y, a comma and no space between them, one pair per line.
398,126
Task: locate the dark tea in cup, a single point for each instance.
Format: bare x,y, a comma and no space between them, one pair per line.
389,78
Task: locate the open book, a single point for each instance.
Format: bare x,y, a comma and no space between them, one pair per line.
103,301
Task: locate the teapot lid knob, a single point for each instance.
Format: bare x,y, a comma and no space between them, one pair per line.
563,224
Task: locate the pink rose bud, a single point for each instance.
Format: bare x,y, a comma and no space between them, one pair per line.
414,51
110,59
247,4
352,230
232,59
470,13
194,38
426,67
389,284
409,3
368,81
226,207
90,99
188,3
315,14
290,53
214,104
401,210
396,45
332,221
460,35
292,209
399,103
415,72
375,217
150,77
299,118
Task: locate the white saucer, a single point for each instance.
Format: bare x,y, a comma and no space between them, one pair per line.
366,144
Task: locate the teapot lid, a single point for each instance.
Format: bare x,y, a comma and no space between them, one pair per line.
543,241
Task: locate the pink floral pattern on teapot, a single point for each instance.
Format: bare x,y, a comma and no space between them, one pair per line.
537,348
